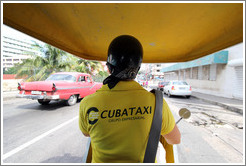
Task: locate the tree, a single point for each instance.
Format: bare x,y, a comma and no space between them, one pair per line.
94,68
11,70
91,67
53,60
39,67
100,76
29,67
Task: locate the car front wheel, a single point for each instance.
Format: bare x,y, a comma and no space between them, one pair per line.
72,100
43,102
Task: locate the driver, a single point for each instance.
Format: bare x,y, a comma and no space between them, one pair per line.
118,116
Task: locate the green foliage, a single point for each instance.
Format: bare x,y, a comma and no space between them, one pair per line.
85,66
11,70
55,60
103,73
100,76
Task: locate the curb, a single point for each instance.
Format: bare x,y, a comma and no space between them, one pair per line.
9,95
230,108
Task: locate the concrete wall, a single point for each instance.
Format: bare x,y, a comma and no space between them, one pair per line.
235,52
10,85
224,83
222,86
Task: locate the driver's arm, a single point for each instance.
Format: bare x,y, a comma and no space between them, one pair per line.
87,135
170,130
173,137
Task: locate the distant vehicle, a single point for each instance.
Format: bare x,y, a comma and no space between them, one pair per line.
68,86
161,85
142,82
178,88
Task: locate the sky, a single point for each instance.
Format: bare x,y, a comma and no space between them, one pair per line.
10,32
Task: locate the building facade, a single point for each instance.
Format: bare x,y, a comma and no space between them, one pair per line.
156,71
15,50
220,73
150,72
16,46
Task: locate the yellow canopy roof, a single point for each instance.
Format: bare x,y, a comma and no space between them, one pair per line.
169,32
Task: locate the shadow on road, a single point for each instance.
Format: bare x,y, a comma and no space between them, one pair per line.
52,106
198,106
177,97
66,158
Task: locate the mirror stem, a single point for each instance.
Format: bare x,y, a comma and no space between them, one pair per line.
179,120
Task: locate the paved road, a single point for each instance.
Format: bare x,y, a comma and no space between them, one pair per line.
33,133
211,135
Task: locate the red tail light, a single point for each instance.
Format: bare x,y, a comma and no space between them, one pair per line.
19,86
190,88
173,88
54,88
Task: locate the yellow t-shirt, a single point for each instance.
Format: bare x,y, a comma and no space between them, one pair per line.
118,121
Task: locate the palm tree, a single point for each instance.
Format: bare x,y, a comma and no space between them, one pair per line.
40,67
53,60
29,67
94,68
91,67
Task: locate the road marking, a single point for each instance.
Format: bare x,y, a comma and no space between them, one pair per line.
23,146
176,156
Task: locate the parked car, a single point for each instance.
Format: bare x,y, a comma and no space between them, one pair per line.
161,85
178,88
68,86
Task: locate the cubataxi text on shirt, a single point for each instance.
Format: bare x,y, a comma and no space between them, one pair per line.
118,114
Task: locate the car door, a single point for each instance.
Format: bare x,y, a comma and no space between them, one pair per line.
82,85
89,86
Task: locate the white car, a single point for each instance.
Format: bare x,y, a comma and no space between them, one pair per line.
178,88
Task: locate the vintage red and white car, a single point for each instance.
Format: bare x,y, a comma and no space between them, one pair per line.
68,86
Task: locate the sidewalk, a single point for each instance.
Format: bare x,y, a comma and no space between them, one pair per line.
6,95
234,105
227,103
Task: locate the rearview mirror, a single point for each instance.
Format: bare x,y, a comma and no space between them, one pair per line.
183,113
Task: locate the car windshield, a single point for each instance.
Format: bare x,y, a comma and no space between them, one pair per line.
61,77
180,83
